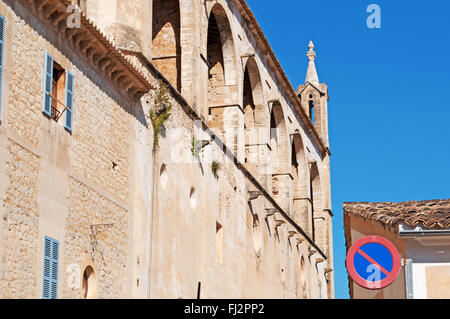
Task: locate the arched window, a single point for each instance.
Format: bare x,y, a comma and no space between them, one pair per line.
256,122
225,115
89,283
316,200
166,45
279,141
300,182
311,111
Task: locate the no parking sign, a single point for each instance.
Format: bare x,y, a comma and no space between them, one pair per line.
373,262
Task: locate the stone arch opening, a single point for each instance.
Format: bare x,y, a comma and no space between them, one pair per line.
89,283
225,114
316,200
221,52
311,111
299,170
256,120
166,44
313,107
279,140
280,159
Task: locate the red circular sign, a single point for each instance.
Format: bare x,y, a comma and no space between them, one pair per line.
390,275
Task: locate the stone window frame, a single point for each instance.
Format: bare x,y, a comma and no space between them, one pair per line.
88,262
62,61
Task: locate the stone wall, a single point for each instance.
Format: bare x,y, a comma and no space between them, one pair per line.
96,229
65,185
26,94
20,223
153,221
99,148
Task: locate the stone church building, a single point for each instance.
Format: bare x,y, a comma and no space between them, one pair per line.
156,149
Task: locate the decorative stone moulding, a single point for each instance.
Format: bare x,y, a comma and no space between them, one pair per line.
311,251
278,215
300,240
328,270
270,212
279,222
319,260
92,43
252,195
291,233
248,55
273,101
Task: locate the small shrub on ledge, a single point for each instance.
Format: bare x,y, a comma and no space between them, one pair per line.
161,112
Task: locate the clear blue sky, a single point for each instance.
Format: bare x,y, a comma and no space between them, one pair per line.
389,109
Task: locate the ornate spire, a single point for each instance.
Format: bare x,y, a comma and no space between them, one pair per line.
311,75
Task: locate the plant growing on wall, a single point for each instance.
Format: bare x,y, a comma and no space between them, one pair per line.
215,167
161,112
196,147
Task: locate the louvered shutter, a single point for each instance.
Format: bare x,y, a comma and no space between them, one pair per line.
47,270
51,265
48,85
69,101
2,53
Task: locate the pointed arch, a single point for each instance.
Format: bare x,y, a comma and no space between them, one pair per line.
166,44
316,200
300,176
279,140
225,113
256,121
221,47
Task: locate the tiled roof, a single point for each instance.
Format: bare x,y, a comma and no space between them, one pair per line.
428,214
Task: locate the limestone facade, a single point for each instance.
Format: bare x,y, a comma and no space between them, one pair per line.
233,202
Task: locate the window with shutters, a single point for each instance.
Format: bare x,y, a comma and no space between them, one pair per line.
58,92
51,265
2,53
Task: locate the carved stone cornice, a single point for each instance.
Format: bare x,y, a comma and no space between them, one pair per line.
91,42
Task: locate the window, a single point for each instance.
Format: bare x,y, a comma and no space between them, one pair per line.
89,283
58,92
311,111
51,264
2,53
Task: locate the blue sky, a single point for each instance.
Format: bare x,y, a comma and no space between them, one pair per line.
389,109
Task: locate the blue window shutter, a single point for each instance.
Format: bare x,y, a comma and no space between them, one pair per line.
2,53
47,270
51,265
69,101
48,85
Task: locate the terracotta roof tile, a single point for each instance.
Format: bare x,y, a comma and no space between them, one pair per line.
428,214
